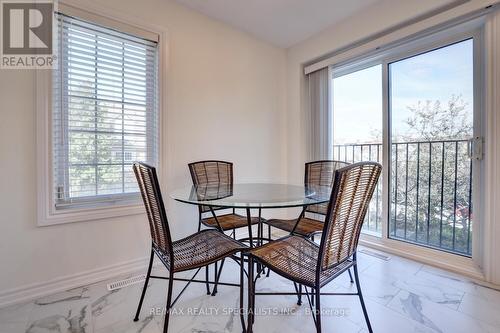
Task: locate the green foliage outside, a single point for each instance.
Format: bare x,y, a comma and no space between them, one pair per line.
424,158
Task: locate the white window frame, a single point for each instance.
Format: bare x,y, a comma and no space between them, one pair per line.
46,212
406,49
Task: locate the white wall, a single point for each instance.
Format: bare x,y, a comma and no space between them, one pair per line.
225,100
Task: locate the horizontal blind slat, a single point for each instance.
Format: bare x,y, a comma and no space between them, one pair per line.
103,31
88,39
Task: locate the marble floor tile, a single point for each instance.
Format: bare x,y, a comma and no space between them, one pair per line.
376,289
435,292
18,313
14,319
70,317
382,318
76,294
366,261
437,317
401,296
459,282
114,310
447,278
481,309
394,269
63,312
12,327
383,281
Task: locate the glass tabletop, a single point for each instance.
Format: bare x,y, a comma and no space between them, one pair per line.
253,195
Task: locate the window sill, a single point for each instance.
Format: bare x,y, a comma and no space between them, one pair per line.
89,214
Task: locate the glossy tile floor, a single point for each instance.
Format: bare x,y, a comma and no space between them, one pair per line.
401,296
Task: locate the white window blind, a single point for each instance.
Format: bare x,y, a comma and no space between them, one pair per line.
105,113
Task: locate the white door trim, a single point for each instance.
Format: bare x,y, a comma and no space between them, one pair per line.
490,248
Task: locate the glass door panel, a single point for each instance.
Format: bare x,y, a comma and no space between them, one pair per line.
431,101
357,128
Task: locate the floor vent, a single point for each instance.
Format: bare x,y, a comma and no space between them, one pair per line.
127,282
375,254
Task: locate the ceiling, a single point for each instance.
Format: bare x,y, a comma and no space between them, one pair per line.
281,22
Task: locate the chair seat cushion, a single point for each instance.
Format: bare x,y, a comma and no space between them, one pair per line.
229,221
203,248
307,227
296,258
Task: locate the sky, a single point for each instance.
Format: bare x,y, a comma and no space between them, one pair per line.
435,75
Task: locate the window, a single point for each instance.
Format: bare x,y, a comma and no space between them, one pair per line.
104,114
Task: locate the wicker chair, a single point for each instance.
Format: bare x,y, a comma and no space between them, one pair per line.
318,173
215,173
193,252
303,261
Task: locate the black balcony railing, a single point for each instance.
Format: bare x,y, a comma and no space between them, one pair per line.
430,195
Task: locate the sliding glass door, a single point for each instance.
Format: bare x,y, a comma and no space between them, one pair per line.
419,106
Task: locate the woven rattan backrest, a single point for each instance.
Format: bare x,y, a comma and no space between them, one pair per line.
353,188
155,210
321,173
211,173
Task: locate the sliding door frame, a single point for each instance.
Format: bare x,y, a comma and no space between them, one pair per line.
471,30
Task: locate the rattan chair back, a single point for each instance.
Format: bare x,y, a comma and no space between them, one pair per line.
155,209
211,173
321,173
353,188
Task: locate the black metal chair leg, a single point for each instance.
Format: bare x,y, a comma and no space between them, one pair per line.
251,295
363,306
312,296
298,292
217,277
269,237
260,235
169,302
136,318
206,279
260,231
299,296
214,288
350,275
242,274
206,268
318,310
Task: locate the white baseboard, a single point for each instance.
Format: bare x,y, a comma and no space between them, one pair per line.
36,290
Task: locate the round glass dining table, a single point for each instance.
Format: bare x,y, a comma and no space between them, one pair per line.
252,196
